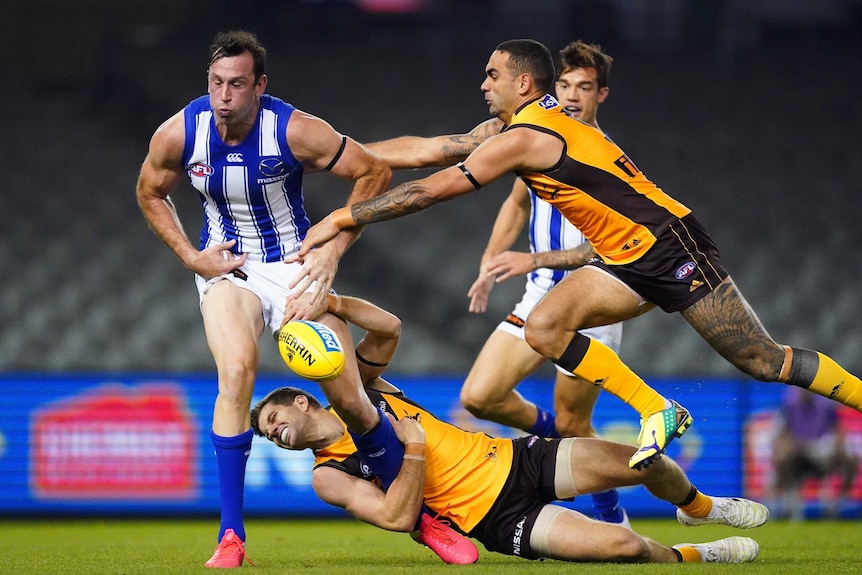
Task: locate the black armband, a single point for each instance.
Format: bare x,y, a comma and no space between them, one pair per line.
470,177
370,363
340,151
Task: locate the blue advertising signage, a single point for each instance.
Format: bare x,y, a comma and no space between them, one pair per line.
139,444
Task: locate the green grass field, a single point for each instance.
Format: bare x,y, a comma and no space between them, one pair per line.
130,547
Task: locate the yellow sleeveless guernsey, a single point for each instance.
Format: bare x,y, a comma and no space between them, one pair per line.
464,473
596,186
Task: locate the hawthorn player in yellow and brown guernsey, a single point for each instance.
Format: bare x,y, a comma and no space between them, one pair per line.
464,479
498,490
555,248
650,250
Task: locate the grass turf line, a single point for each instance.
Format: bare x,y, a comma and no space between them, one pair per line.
312,547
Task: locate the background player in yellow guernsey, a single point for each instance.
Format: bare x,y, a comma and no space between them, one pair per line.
494,489
650,248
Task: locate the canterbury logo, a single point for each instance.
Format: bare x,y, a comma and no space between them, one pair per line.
836,390
236,157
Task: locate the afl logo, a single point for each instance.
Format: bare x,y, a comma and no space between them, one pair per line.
685,270
200,170
271,166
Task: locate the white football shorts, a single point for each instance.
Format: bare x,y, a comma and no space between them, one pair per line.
610,335
268,281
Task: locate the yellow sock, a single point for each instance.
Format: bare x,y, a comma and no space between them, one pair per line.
700,507
603,367
689,554
835,382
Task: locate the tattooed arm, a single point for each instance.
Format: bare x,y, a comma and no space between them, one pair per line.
438,151
509,151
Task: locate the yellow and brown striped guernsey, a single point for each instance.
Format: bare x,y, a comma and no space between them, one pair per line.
465,471
596,186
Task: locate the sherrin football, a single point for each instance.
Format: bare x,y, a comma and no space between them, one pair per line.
311,350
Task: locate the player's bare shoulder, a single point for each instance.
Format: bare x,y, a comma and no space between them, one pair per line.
163,164
527,148
168,141
312,139
514,151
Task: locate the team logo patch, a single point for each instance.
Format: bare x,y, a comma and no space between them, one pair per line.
685,270
200,170
548,102
492,455
271,167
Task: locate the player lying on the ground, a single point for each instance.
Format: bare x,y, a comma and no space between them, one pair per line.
373,352
497,490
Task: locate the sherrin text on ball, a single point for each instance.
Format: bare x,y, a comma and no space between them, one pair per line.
311,350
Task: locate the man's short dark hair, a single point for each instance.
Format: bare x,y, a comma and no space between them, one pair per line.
579,54
234,43
280,396
530,57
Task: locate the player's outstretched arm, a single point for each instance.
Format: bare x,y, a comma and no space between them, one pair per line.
509,151
314,142
513,215
564,259
437,151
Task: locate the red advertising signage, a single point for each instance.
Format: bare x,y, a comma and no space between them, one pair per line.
115,442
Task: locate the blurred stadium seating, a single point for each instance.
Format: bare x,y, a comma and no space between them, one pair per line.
762,143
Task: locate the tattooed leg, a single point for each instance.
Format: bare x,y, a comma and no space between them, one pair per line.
728,323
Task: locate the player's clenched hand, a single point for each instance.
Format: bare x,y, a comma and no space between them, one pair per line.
216,260
510,264
318,271
479,291
407,429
